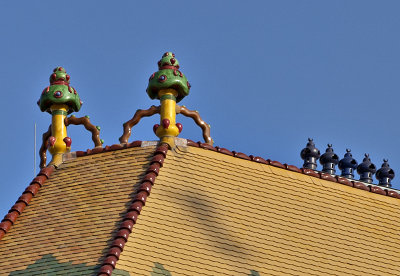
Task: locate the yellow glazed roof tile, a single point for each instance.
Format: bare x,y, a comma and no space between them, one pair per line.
213,214
74,214
208,214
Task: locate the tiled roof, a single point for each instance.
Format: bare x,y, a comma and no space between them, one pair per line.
211,213
75,213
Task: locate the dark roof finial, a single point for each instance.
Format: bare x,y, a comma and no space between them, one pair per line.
348,164
366,169
385,174
329,160
310,155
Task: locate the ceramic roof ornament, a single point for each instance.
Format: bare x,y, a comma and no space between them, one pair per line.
347,165
385,175
169,85
366,169
60,99
329,160
310,155
60,93
168,76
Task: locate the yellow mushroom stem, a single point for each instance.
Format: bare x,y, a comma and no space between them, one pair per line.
168,132
59,132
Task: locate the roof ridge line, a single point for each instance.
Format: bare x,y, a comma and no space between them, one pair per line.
24,200
333,178
132,213
390,192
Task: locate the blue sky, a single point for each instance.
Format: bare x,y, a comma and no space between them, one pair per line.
265,74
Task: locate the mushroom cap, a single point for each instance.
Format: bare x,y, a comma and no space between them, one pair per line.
59,92
168,77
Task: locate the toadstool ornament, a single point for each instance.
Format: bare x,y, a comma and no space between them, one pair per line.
167,77
60,99
170,86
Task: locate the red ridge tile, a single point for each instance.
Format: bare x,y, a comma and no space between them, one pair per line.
345,181
118,242
158,158
136,206
360,186
11,217
260,160
39,179
96,150
154,168
146,186
377,190
117,147
33,189
5,225
206,146
123,233
393,194
105,270
80,153
241,155
18,207
141,196
277,164
47,171
311,172
150,177
26,198
292,168
192,143
224,151
111,260
134,144
127,224
114,252
163,149
328,177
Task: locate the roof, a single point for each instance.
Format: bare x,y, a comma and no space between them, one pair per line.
211,212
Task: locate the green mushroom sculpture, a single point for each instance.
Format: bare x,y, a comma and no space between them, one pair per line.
169,85
60,99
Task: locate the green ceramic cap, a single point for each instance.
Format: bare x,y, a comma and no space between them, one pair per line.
168,76
59,92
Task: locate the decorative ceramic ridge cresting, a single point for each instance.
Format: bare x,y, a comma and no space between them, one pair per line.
170,86
60,99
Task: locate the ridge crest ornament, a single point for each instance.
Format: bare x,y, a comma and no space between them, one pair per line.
170,86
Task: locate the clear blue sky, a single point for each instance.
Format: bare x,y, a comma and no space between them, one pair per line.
265,74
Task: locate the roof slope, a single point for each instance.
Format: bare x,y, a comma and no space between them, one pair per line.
213,214
69,224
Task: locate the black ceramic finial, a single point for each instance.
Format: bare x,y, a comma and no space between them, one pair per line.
329,160
366,169
310,155
385,175
347,165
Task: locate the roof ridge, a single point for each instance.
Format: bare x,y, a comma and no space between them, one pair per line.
370,187
129,220
325,176
24,200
